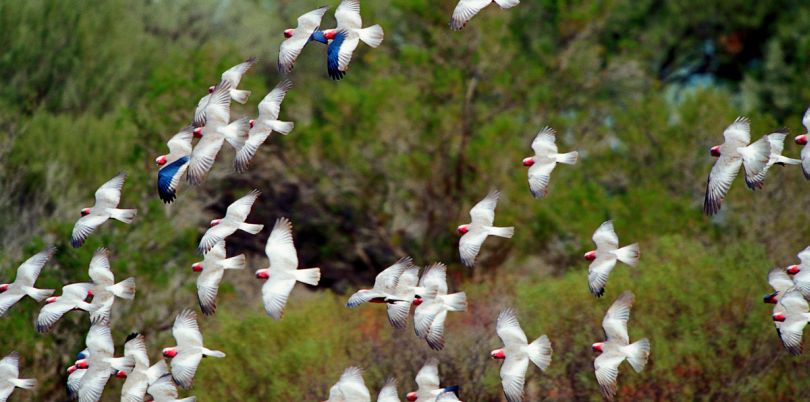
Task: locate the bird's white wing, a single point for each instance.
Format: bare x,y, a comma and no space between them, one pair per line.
483,213
234,74
93,383
347,15
388,393
465,10
719,182
435,335
605,237
99,340
180,143
109,194
545,142
469,245
790,332
207,288
28,272
280,249
214,235
508,329
186,331
84,227
606,366
240,209
270,106
352,385
428,376
598,273
204,155
347,47
275,293
10,366
779,279
434,277
163,389
184,366
292,46
99,270
387,279
738,134
513,376
615,321
539,177
806,120
218,107
135,347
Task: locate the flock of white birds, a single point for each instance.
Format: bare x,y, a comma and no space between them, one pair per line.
398,287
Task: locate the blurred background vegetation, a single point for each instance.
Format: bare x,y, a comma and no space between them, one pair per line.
387,163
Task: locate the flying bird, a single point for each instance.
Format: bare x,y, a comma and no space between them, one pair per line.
73,297
266,123
283,271
233,76
188,353
617,347
105,290
164,390
780,281
732,154
107,198
134,388
214,126
427,382
802,140
466,9
790,315
385,286
474,233
298,38
516,354
604,258
544,160
173,165
100,363
350,387
388,393
10,376
23,285
211,270
777,144
433,303
347,36
234,220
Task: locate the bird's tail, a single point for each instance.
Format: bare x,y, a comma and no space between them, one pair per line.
310,276
236,133
281,127
237,262
372,36
569,158
501,232
539,352
507,3
212,353
24,383
251,227
123,215
37,294
628,254
189,399
124,289
122,363
787,161
240,95
456,301
638,353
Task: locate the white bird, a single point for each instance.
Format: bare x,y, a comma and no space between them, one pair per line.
266,123
164,390
105,290
406,290
298,38
604,258
732,154
214,125
188,353
388,393
544,160
134,388
173,165
516,353
777,144
10,376
347,36
73,298
385,286
283,271
802,140
790,315
482,216
234,220
100,363
466,9
107,198
780,281
427,382
233,76
350,387
23,285
433,303
617,347
212,268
